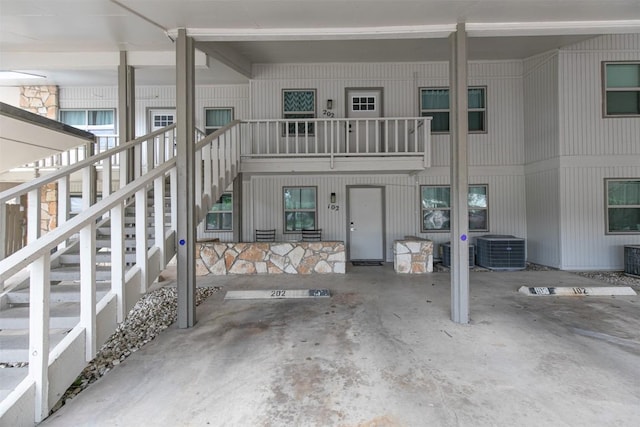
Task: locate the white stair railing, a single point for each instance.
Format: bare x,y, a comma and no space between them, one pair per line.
53,370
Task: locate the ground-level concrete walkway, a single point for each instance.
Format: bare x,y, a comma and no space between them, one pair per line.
382,352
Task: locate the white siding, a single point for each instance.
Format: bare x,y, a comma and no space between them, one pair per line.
543,218
158,97
501,145
584,242
263,204
541,108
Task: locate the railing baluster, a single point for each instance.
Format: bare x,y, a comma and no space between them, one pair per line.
4,236
34,213
39,300
88,288
64,203
116,218
141,237
406,135
158,211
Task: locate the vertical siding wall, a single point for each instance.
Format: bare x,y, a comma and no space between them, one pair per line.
541,141
263,204
593,148
501,145
158,97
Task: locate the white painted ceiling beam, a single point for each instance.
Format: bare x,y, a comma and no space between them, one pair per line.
227,56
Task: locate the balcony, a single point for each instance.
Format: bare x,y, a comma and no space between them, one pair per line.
388,145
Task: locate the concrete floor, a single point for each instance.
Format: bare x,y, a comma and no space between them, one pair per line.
382,352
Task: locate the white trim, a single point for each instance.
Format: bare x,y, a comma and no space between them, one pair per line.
496,29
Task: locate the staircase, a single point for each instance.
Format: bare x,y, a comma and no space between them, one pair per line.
64,293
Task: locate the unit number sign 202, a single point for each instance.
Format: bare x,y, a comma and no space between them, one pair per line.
333,207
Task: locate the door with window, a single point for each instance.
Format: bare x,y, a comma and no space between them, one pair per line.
364,136
366,223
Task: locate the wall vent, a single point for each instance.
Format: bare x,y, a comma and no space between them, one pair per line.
632,260
498,252
446,255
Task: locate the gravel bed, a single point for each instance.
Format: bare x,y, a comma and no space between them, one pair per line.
152,314
613,277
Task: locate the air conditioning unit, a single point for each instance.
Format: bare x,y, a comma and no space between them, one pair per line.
446,255
498,252
632,260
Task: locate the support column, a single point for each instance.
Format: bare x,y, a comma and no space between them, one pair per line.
126,117
185,160
459,176
237,208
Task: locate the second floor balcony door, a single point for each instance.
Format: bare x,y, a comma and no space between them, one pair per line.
364,136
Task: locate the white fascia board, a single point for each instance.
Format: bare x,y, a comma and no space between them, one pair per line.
351,33
91,60
560,28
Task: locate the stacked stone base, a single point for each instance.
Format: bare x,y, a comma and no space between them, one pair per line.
270,258
413,256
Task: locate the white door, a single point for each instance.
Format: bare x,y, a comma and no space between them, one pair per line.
366,223
363,136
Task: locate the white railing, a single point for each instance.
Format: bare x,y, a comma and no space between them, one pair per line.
52,370
76,154
331,138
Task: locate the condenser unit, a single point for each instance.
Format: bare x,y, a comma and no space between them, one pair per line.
498,252
632,260
446,255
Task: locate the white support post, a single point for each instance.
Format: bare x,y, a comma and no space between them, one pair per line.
141,238
87,189
64,204
3,232
34,214
158,208
118,260
107,177
39,300
173,192
459,177
88,288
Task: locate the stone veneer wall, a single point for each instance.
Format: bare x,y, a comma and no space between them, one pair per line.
413,256
270,258
43,100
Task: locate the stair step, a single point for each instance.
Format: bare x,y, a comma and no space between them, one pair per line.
67,292
10,378
128,243
101,257
106,231
71,273
63,316
14,345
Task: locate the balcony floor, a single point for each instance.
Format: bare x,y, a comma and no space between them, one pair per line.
382,351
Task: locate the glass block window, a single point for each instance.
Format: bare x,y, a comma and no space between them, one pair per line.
99,122
216,118
299,104
623,206
621,89
436,208
299,208
434,102
220,216
363,103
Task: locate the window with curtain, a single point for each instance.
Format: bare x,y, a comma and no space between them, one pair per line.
220,216
99,122
299,208
623,206
621,89
435,103
216,118
436,208
299,104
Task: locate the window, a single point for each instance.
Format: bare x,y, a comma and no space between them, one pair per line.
299,104
623,206
436,208
363,103
220,216
299,208
216,118
434,102
99,122
621,89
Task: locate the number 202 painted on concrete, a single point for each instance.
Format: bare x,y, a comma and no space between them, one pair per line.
276,294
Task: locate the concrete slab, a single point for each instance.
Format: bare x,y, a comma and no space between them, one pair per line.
382,351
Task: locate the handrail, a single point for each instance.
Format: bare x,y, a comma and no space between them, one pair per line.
25,187
209,138
25,256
